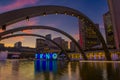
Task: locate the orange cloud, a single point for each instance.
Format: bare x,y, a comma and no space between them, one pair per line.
23,23
20,38
18,4
27,31
1,30
9,45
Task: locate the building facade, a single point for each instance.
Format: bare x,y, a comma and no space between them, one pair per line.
114,8
41,46
109,30
88,37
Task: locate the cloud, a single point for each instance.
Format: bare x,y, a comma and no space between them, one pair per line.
1,30
27,31
20,38
23,23
18,4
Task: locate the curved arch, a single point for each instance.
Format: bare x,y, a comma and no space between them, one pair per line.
10,36
7,18
45,27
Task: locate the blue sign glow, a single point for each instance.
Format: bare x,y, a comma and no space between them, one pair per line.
46,56
45,66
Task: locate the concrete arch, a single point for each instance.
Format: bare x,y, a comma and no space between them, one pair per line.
14,16
48,28
16,35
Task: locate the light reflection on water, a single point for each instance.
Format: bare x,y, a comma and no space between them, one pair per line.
56,70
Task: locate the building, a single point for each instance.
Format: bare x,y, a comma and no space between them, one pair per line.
41,46
50,44
73,47
18,44
109,30
58,40
114,8
2,45
88,37
66,45
48,36
61,42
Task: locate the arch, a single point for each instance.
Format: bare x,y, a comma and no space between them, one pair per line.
10,18
15,35
45,27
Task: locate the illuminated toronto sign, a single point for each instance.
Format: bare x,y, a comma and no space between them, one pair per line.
46,56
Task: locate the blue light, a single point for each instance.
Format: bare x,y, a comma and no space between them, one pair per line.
54,56
41,56
46,56
36,56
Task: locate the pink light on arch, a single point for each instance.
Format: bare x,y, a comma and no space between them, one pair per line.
80,34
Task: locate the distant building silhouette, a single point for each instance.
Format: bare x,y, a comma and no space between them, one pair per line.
18,44
58,40
41,45
50,45
61,42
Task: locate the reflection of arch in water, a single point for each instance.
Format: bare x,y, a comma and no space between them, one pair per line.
45,27
26,13
62,50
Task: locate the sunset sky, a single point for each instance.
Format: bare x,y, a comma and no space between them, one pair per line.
94,9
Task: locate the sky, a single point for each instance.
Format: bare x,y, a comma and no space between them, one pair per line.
94,9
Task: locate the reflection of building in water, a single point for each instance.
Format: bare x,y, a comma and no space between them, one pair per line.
3,55
15,67
45,66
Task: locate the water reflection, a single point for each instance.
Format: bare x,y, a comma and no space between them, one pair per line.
58,70
45,66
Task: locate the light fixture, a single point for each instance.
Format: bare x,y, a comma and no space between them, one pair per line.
44,14
78,17
56,13
27,18
65,13
72,14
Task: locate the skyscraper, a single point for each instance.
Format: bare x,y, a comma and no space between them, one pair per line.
114,7
48,36
109,30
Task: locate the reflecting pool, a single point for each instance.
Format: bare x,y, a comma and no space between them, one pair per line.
58,70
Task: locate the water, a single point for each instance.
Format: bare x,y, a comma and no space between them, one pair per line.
56,70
